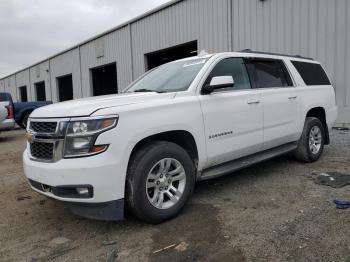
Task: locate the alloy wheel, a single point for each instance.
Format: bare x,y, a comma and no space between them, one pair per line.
165,183
315,140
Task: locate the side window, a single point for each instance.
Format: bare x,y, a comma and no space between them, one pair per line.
234,67
311,73
271,73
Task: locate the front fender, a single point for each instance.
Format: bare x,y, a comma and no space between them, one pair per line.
136,122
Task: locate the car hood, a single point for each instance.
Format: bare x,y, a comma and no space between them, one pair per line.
87,106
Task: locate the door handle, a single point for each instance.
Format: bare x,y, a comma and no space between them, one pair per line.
292,97
253,102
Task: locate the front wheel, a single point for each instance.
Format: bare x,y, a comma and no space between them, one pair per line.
311,142
161,178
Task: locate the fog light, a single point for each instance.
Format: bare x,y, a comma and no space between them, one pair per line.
82,191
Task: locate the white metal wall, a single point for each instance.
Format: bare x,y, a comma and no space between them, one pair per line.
313,28
203,20
113,47
22,79
2,85
9,86
39,73
62,65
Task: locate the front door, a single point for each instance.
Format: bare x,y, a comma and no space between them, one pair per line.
233,117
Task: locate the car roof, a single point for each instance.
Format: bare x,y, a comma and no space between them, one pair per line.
249,53
269,55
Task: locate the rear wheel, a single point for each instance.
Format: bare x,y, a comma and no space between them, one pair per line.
311,143
160,181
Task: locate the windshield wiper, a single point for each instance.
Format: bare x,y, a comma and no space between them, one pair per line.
147,90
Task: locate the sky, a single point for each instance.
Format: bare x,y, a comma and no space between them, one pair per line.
32,30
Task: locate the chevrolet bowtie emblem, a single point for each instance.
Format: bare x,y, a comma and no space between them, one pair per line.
29,136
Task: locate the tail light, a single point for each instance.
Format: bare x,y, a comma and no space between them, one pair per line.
9,112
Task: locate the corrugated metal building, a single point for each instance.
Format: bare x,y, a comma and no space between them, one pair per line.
313,28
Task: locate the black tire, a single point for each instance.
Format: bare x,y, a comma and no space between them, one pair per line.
24,120
303,152
140,165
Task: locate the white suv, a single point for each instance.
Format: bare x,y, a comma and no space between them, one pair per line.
188,120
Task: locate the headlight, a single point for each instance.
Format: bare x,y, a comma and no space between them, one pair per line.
82,134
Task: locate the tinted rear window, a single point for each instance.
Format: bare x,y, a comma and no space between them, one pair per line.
312,74
3,98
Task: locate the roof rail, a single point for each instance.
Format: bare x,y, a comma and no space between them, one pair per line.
268,53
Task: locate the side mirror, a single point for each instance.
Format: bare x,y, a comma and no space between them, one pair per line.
219,82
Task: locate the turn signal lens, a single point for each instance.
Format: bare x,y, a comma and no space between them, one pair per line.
98,148
107,123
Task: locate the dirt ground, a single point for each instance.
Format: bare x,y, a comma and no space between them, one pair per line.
270,212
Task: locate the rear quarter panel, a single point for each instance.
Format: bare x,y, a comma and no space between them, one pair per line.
314,96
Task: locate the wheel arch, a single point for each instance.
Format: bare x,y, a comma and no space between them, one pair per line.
183,138
320,113
22,113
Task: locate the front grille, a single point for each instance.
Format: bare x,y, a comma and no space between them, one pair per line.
42,150
43,127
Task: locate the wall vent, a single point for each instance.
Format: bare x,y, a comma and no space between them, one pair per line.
99,48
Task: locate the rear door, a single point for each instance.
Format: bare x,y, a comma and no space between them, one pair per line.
280,100
233,117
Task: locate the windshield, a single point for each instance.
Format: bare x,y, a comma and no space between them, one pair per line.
171,77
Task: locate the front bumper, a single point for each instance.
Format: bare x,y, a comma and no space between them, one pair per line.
111,210
108,211
101,172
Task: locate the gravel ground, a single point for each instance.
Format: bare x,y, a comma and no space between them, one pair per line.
270,212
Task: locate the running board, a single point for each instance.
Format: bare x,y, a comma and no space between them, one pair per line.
234,165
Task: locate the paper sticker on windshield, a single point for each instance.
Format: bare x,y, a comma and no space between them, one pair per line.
194,63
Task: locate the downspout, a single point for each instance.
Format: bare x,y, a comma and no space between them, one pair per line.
81,77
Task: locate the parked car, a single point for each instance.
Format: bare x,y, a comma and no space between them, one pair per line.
6,116
22,110
185,121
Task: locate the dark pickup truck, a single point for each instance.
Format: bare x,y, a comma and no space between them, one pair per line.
22,110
